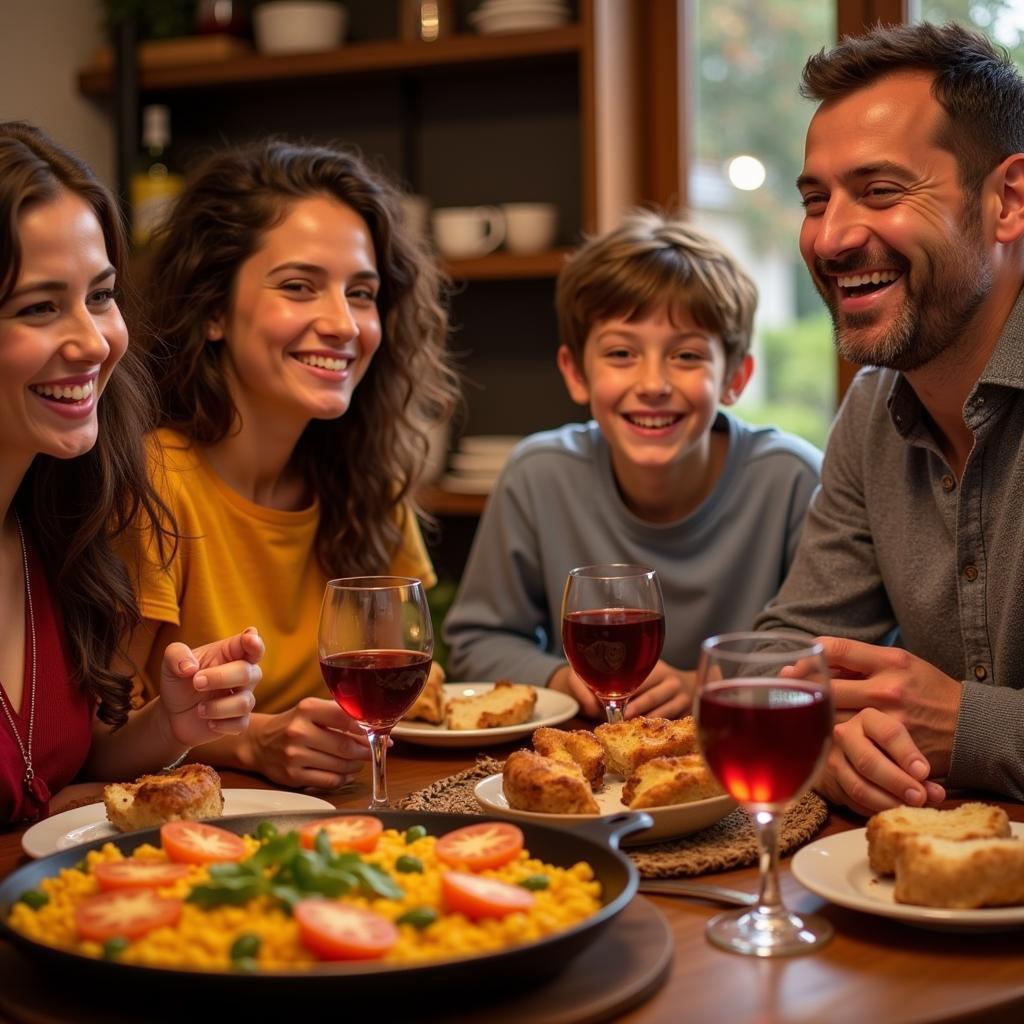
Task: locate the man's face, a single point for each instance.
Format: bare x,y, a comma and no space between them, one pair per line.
893,246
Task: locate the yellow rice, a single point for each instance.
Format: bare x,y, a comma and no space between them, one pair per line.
202,938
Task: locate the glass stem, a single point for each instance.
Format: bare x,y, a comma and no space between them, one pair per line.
378,752
769,898
613,710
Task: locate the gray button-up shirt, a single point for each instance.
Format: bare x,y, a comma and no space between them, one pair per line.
893,540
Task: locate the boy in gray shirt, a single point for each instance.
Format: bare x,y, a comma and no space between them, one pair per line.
655,321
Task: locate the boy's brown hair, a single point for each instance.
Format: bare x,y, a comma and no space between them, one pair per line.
653,261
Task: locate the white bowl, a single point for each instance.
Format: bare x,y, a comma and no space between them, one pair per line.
491,23
287,26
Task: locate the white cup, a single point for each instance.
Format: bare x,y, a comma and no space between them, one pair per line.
530,227
463,232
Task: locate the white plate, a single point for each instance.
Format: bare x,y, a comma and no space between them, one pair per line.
552,708
491,443
83,824
669,822
836,867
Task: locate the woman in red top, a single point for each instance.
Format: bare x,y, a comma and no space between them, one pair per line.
72,478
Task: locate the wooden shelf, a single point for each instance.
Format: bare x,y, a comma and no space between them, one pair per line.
384,56
448,503
507,266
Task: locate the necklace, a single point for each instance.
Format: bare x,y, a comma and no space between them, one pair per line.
35,787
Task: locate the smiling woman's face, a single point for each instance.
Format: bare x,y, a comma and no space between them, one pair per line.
303,322
61,333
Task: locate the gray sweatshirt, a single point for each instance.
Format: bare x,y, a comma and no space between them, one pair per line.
557,506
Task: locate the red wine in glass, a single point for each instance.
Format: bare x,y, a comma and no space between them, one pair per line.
764,738
613,649
376,687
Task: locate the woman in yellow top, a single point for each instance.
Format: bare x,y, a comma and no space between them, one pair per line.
283,282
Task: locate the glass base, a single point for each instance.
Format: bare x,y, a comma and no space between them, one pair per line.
774,934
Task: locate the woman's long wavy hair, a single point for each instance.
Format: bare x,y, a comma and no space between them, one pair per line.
365,464
75,508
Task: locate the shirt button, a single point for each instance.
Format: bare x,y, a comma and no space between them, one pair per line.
980,672
948,483
971,573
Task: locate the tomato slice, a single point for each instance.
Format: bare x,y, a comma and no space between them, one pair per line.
126,913
479,847
353,832
137,874
337,931
477,897
190,842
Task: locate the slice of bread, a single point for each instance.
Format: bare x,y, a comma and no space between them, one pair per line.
506,704
578,747
960,874
429,706
532,782
670,780
629,744
185,794
887,829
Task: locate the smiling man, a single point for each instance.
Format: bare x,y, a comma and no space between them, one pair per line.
913,191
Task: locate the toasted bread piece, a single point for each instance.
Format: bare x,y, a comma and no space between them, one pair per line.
507,704
629,744
185,794
887,829
533,782
578,747
670,780
429,706
961,874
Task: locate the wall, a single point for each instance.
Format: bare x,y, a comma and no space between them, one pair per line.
42,45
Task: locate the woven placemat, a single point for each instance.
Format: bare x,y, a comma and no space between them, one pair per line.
729,843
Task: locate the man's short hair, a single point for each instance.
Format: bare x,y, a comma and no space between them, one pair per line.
976,84
651,262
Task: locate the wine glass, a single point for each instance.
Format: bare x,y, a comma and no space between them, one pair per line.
375,644
613,628
763,708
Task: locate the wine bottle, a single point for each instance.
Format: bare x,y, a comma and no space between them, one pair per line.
156,181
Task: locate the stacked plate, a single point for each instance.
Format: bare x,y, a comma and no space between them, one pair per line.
494,16
474,466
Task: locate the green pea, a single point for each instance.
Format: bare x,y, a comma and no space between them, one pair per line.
535,882
114,947
34,898
421,917
414,833
245,947
408,865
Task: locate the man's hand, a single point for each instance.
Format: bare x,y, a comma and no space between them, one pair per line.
874,764
908,689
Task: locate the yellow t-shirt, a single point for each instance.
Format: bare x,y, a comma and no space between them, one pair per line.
238,564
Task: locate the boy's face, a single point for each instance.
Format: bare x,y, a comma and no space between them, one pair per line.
653,386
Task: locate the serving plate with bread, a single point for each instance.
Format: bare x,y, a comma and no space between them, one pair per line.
960,869
84,824
649,764
482,714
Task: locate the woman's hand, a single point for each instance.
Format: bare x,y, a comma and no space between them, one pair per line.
313,746
666,692
207,692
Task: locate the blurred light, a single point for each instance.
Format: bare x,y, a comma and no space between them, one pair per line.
746,173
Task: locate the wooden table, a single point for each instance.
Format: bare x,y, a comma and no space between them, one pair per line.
874,970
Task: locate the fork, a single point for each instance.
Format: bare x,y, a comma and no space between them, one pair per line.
697,890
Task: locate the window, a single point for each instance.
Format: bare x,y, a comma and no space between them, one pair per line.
1001,20
748,123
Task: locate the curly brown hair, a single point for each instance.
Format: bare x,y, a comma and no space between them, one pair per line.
976,84
76,508
364,465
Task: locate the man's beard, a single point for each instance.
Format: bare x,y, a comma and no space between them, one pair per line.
935,312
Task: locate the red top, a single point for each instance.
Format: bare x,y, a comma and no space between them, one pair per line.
63,718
